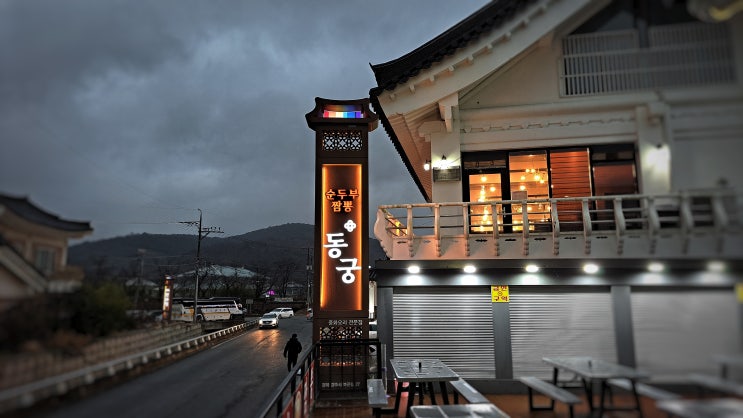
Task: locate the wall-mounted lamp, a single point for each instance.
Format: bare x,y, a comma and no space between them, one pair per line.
427,165
443,164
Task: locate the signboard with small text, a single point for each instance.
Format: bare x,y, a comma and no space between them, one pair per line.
499,294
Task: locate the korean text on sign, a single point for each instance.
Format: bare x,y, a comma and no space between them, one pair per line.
335,242
499,294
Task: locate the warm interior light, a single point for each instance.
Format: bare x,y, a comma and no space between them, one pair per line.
492,188
470,269
590,268
483,178
414,269
427,165
532,268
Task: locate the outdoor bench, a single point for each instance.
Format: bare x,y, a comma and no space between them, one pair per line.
376,396
553,392
461,387
643,389
717,384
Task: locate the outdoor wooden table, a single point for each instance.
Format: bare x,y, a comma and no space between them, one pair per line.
419,373
479,410
726,361
593,370
702,408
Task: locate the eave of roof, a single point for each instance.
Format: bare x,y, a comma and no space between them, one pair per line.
25,209
395,72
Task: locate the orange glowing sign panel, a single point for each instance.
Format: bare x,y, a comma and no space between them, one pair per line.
167,297
342,211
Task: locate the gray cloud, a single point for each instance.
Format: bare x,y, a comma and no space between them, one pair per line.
132,114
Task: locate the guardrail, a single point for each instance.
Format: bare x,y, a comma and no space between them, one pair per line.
26,395
331,367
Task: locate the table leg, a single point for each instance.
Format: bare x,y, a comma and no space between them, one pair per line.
421,390
412,386
433,393
637,398
602,390
444,393
588,386
398,395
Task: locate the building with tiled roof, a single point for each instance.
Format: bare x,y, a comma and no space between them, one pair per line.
33,250
581,160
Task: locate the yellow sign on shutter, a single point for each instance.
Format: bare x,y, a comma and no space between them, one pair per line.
739,292
499,294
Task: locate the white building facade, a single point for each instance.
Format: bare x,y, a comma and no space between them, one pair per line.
548,135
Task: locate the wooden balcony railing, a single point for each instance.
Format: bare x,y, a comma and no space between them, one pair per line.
708,223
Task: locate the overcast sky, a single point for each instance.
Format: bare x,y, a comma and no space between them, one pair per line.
132,114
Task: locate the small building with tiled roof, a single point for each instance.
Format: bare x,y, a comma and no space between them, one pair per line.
33,250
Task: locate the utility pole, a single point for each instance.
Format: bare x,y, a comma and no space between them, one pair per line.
141,252
308,275
203,232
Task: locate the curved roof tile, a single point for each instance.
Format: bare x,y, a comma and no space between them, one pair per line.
492,15
23,208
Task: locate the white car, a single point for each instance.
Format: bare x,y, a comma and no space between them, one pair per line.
284,312
269,320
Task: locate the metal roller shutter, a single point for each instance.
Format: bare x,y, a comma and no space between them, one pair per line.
678,332
454,325
559,322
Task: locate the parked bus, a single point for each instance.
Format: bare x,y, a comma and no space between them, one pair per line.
212,309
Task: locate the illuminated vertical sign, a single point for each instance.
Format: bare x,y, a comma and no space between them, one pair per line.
341,225
167,297
340,298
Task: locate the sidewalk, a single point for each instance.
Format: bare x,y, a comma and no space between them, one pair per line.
517,406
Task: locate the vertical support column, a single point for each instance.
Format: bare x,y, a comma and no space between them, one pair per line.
502,341
739,297
385,315
624,334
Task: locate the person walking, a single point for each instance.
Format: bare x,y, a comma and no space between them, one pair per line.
292,348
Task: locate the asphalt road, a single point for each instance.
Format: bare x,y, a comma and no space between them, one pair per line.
232,379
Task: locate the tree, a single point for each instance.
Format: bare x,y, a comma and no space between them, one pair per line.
285,269
262,280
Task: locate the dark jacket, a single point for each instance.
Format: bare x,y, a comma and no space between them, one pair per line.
293,347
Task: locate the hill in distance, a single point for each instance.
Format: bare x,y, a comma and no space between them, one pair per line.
159,254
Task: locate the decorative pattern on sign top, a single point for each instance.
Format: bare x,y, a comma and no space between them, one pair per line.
346,332
342,141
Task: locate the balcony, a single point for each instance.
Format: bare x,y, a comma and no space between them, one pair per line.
705,224
678,55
